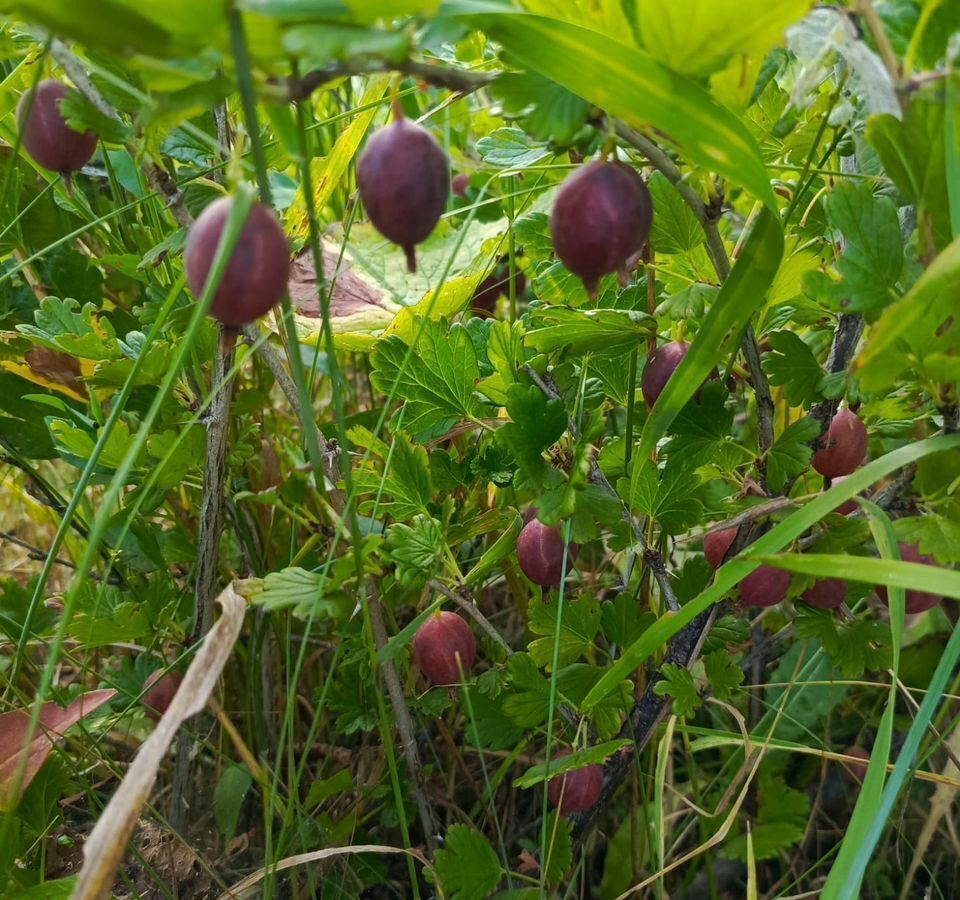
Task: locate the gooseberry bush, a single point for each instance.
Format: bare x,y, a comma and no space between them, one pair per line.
479,449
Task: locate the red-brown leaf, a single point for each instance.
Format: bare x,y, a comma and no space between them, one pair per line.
54,722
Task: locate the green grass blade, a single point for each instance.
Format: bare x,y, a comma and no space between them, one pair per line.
868,801
890,572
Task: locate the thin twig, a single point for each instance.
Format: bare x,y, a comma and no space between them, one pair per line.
466,602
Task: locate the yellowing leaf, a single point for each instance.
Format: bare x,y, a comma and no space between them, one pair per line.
451,299
698,37
605,16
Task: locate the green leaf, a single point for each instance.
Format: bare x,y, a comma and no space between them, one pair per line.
675,228
853,647
723,674
912,153
622,619
317,45
505,353
922,322
937,535
677,683
504,546
591,756
323,789
579,623
873,254
436,378
548,110
781,819
76,444
417,549
403,490
632,85
228,799
536,423
793,366
510,148
467,865
606,332
60,326
668,496
527,702
791,453
701,433
732,572
489,725
297,588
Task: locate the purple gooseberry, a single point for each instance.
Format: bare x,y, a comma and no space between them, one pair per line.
45,134
717,545
404,180
601,218
827,593
256,275
159,690
765,586
844,448
440,641
540,553
460,184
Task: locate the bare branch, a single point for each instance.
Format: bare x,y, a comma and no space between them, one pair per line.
460,81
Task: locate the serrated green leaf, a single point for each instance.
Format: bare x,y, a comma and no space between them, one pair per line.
606,332
510,148
297,588
793,367
791,453
675,228
549,111
677,684
669,496
723,674
467,865
536,423
417,549
873,254
436,379
579,623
